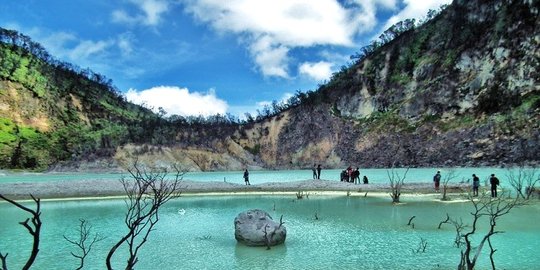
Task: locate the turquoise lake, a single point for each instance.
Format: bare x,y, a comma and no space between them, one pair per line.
256,177
351,233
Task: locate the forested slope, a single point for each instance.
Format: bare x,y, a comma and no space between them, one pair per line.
461,89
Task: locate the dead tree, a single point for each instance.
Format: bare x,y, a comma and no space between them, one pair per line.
396,183
268,237
524,181
84,242
4,263
33,228
147,191
410,220
484,207
421,246
447,178
458,225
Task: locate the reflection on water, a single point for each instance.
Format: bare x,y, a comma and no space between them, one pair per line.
350,233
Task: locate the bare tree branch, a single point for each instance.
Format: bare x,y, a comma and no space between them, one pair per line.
446,179
444,221
523,179
146,191
396,183
3,258
484,207
421,246
410,220
34,229
82,243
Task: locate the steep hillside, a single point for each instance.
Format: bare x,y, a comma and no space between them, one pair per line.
459,90
462,89
51,111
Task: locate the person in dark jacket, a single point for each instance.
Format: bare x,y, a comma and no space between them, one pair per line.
437,180
246,177
494,181
356,176
475,184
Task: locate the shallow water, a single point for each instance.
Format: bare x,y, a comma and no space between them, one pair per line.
351,233
257,177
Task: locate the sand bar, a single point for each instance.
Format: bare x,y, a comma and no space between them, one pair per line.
113,188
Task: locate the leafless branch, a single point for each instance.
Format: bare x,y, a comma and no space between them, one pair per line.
396,183
3,258
421,246
523,181
82,243
34,229
446,179
146,191
267,239
484,207
444,221
410,220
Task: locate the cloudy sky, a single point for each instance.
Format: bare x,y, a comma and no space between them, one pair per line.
205,57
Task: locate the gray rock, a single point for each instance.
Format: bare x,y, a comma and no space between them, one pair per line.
256,227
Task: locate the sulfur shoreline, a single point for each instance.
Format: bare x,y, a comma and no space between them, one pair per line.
104,189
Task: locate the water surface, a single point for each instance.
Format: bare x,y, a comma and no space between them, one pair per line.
351,233
257,177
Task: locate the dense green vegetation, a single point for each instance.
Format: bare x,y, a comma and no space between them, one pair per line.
411,79
82,114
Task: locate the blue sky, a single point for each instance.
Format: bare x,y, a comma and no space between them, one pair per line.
205,57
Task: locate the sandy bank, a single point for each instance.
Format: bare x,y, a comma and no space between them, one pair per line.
108,188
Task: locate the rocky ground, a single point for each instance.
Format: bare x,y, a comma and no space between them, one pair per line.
113,188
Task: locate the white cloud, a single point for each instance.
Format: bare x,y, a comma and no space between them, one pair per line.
415,10
87,48
319,71
121,16
271,59
124,44
272,28
176,100
150,13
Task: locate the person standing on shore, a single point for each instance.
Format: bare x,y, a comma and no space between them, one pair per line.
356,176
246,177
314,169
319,171
475,184
437,180
494,181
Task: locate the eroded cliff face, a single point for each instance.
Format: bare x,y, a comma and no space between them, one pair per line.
475,57
461,90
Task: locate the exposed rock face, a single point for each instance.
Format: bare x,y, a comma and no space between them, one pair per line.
257,228
462,89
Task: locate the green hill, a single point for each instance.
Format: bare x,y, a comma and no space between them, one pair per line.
52,111
461,89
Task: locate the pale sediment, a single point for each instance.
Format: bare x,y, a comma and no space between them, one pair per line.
108,188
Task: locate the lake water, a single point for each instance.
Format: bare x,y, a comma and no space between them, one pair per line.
351,233
256,177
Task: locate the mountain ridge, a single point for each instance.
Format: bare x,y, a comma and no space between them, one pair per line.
459,90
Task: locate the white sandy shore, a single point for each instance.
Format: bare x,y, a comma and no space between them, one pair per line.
107,188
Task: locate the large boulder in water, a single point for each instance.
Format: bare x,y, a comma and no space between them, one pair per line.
257,228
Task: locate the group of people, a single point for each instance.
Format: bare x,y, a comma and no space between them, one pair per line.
352,176
493,182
